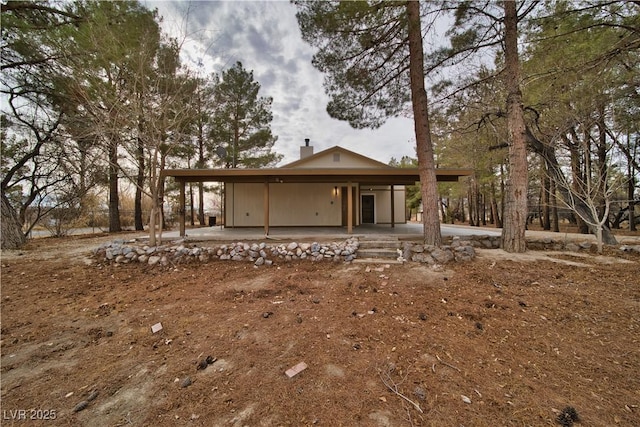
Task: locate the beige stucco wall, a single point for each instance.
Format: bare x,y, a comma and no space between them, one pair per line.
305,204
337,159
289,205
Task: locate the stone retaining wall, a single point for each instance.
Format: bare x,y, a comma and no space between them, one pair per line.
177,252
558,243
180,252
457,250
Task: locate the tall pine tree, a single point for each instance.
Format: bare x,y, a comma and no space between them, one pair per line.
242,120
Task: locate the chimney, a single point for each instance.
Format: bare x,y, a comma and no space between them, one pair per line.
306,150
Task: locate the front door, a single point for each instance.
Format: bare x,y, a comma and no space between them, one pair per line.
368,209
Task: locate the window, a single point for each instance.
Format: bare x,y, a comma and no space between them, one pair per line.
336,157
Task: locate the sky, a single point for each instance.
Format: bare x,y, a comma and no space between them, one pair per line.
265,37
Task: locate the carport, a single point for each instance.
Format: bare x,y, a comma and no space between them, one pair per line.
273,176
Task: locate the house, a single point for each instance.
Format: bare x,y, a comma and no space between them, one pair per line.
333,188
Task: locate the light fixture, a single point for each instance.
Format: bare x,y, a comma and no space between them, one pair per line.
335,191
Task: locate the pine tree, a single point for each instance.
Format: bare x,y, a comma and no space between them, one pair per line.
242,120
372,56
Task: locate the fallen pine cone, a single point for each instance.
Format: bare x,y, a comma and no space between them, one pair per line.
568,416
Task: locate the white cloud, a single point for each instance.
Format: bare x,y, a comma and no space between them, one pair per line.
264,36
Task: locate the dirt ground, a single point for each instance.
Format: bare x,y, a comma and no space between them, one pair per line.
504,340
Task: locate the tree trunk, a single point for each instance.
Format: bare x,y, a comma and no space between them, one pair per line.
603,169
502,192
471,205
582,211
192,217
201,166
494,207
156,218
515,216
139,183
555,222
546,200
578,177
631,180
201,204
443,210
114,198
631,189
161,216
541,203
424,146
10,227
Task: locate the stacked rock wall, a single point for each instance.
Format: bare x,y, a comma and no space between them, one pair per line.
179,252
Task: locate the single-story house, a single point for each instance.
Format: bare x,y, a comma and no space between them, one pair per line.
333,188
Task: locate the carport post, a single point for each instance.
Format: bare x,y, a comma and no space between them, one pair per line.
181,212
266,208
349,208
393,209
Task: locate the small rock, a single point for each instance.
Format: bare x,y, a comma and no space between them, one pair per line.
585,245
80,406
572,247
267,314
186,382
465,399
420,393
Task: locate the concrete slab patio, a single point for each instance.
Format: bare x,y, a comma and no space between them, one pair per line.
408,231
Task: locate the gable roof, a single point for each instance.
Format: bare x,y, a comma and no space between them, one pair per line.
345,159
319,167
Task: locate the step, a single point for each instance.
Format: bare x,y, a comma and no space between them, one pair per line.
375,261
378,244
385,253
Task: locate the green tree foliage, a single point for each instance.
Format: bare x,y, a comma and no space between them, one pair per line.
583,98
579,84
485,27
413,196
36,163
204,147
363,52
242,120
372,56
98,93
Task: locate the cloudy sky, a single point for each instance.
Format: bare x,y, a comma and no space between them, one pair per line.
265,37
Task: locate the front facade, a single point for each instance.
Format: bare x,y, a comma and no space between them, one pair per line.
322,204
333,188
